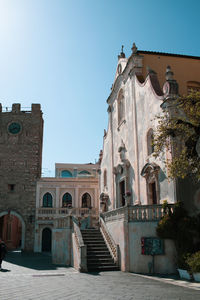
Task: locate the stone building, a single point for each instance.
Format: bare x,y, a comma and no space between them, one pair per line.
133,184
21,134
74,192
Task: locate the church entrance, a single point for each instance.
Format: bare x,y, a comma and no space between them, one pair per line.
46,240
11,231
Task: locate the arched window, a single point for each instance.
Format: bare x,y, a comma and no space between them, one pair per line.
47,200
193,86
84,173
86,200
150,145
150,172
105,178
67,200
66,174
120,106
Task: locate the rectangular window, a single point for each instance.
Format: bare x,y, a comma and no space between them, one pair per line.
11,187
122,193
153,193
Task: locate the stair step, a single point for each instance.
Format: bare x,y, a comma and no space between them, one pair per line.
98,255
92,237
103,268
95,243
101,261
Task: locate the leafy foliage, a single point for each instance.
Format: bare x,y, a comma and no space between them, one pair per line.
178,132
194,262
182,228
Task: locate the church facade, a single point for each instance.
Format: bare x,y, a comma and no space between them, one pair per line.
128,167
133,183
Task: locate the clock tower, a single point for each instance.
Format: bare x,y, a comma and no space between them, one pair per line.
21,135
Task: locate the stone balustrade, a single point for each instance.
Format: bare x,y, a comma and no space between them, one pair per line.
139,213
57,212
112,246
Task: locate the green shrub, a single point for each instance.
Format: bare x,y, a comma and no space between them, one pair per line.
194,262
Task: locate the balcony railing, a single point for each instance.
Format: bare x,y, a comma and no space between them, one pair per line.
142,213
56,212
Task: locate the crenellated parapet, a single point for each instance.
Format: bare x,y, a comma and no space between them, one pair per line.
17,109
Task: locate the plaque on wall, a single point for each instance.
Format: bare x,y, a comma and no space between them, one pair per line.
152,246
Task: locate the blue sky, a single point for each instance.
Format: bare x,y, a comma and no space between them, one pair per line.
63,55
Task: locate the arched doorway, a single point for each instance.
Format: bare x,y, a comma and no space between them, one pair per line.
46,240
12,230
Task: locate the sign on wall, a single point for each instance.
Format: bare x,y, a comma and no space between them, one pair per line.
152,246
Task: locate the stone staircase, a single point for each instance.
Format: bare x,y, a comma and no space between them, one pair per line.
98,255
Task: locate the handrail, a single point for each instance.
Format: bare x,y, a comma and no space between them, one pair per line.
112,246
81,247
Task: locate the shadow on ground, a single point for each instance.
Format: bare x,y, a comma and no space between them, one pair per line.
37,261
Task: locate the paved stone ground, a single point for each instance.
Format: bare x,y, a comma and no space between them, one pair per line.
34,277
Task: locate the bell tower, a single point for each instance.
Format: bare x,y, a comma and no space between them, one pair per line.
21,136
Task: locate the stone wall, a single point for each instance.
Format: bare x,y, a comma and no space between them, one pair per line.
20,164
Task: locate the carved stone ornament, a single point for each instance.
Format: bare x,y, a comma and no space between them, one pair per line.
134,49
150,170
122,151
104,197
170,88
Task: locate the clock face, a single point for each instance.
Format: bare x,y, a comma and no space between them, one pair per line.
14,128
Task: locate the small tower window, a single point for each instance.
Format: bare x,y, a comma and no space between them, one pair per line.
120,106
11,187
105,178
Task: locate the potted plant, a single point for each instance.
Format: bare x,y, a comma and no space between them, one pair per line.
183,267
194,264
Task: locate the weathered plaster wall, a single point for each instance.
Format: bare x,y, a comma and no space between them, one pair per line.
61,246
141,106
148,106
164,264
118,231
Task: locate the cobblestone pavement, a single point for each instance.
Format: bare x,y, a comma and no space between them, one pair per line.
34,277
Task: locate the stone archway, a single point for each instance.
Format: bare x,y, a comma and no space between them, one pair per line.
13,229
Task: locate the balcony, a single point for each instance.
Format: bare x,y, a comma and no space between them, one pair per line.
141,213
54,213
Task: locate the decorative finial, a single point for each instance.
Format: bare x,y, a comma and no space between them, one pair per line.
122,54
169,74
134,48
